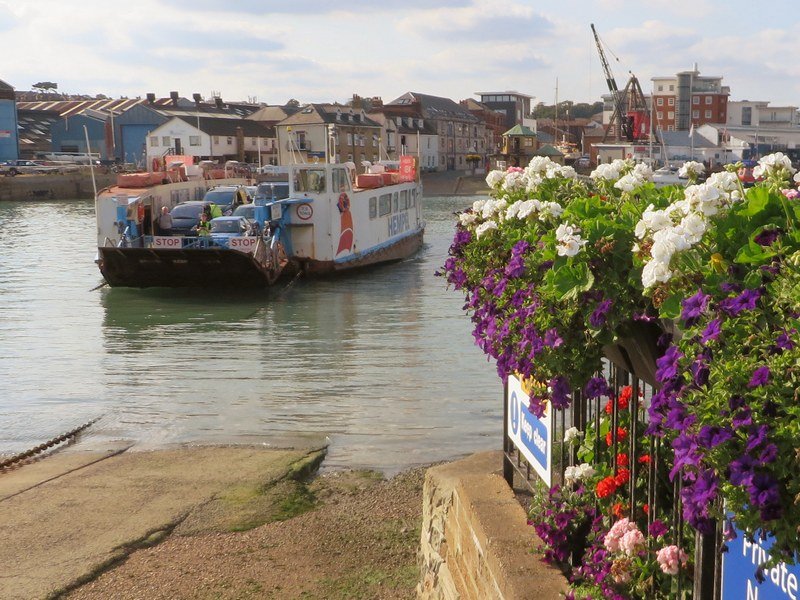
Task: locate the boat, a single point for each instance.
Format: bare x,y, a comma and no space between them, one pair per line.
333,220
667,175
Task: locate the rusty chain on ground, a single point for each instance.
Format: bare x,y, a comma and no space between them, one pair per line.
5,463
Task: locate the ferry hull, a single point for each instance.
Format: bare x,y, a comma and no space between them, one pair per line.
399,250
150,267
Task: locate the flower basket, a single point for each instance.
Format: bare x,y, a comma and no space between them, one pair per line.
637,350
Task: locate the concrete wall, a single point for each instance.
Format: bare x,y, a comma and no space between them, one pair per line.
475,541
70,186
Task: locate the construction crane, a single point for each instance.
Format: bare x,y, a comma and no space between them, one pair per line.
633,122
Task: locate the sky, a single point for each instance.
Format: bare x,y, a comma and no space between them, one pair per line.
324,51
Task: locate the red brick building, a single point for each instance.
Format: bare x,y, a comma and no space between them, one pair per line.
687,99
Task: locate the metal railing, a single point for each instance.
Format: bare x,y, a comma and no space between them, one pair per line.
659,497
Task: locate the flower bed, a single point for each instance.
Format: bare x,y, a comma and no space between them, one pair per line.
558,272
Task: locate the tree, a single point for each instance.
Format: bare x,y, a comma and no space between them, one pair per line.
45,86
293,103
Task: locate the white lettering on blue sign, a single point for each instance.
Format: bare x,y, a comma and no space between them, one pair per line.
739,566
398,223
529,433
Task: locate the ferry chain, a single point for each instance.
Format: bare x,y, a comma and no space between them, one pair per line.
48,444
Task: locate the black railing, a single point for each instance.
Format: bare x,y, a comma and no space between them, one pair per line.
658,496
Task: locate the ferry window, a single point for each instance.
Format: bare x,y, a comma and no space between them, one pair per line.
403,199
153,141
341,182
394,202
373,207
384,204
309,180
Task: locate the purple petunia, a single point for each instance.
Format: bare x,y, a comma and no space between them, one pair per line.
668,364
760,377
694,307
657,528
515,266
599,317
711,436
712,331
552,339
784,341
596,387
767,237
560,392
745,301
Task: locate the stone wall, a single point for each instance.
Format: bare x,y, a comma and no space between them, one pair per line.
67,186
475,542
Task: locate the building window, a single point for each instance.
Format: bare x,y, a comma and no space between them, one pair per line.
695,99
216,139
671,87
349,139
695,114
671,115
709,99
659,116
660,88
671,101
165,141
708,114
194,140
153,141
230,141
660,102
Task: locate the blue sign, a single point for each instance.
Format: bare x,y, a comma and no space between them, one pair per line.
739,566
530,434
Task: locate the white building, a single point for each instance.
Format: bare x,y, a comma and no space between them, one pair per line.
211,138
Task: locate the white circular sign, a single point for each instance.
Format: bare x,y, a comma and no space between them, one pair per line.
304,211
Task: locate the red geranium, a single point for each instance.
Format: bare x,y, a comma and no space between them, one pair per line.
606,487
644,459
619,510
622,459
622,401
623,476
622,433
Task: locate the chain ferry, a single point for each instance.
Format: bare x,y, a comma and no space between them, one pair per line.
332,220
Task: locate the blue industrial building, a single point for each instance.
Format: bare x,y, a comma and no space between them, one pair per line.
68,133
9,128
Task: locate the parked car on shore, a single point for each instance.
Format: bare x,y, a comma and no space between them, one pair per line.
10,168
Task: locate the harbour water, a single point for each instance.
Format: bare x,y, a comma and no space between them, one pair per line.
380,362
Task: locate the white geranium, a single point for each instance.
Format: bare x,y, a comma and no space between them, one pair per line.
654,272
553,209
667,242
478,205
724,181
539,165
694,226
690,169
607,171
643,172
705,198
655,220
569,242
628,183
572,434
467,218
493,207
495,178
528,207
514,181
484,227
564,171
772,163
582,472
533,181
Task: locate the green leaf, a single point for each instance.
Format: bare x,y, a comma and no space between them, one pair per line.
671,308
753,254
757,201
570,280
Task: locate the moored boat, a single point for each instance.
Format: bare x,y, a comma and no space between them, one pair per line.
333,220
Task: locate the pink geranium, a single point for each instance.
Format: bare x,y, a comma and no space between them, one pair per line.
671,559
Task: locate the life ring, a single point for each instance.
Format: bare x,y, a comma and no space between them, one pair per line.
156,164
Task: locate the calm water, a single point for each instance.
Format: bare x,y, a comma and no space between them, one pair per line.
382,362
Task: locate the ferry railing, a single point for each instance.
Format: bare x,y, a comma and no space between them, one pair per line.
658,498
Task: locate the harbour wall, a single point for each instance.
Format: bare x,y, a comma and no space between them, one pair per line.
475,542
76,185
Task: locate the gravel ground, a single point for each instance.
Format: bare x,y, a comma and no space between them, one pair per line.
358,539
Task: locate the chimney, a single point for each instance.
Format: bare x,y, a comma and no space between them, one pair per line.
197,98
174,96
218,101
151,98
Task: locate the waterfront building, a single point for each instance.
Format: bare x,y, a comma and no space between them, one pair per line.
747,113
460,133
269,116
211,138
9,126
329,133
514,106
407,132
687,99
520,144
495,122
